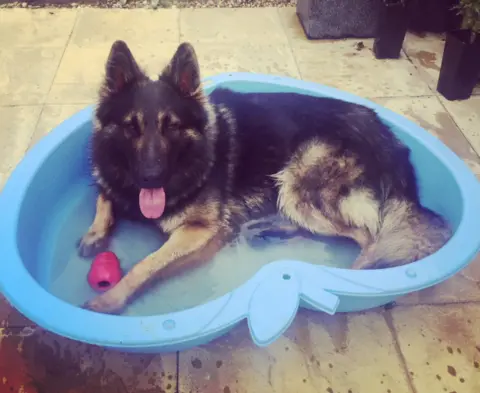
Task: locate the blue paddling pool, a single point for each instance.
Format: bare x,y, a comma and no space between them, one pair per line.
48,203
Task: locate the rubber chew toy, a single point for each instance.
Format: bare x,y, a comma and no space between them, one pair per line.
105,272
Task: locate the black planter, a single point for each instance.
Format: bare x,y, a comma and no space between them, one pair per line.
435,16
460,68
391,29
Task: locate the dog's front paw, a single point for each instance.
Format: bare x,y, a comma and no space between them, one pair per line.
259,237
106,303
92,244
268,230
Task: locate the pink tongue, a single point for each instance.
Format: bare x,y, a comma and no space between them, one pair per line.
152,202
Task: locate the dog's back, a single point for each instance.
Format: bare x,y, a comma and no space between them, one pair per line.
335,169
271,127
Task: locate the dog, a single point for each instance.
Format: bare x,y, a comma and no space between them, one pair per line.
202,166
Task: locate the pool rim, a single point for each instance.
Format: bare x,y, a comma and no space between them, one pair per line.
70,321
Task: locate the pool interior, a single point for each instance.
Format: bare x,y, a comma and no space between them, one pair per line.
64,272
59,205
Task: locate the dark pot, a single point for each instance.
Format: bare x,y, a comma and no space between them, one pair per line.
391,29
460,65
435,16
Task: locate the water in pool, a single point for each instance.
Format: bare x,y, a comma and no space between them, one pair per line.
66,274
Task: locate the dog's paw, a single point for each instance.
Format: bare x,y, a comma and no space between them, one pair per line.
268,230
267,237
257,241
106,304
92,244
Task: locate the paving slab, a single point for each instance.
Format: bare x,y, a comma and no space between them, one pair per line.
350,64
441,346
83,68
466,114
52,116
26,74
18,125
42,28
319,353
10,317
234,26
35,361
426,53
100,27
342,66
274,59
73,93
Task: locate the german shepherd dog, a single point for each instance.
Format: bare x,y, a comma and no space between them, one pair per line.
202,166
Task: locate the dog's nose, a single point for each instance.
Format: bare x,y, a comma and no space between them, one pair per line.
151,178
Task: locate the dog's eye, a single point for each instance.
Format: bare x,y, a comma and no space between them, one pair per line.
134,126
173,126
168,124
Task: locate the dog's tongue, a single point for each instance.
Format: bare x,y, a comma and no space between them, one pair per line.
152,202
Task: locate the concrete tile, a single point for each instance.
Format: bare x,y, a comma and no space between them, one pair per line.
318,353
3,180
267,59
99,27
9,317
73,93
83,67
52,116
5,308
34,361
236,26
441,346
36,28
342,65
294,30
18,125
467,116
426,53
26,74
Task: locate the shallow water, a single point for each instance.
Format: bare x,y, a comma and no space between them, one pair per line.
66,274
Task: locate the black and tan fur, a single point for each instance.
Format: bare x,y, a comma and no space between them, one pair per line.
327,166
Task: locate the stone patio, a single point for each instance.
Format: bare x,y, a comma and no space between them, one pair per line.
51,62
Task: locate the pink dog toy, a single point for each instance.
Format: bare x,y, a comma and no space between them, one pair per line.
105,272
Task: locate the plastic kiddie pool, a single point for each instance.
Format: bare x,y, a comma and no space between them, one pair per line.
271,298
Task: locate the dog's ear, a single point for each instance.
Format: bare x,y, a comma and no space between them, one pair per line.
183,71
121,68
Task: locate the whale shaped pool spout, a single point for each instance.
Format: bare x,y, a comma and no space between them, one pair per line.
271,298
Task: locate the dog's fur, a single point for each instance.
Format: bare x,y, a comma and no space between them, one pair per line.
327,166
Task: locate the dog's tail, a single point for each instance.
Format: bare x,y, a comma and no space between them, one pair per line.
408,233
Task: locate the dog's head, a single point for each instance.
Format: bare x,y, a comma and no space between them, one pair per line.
153,136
